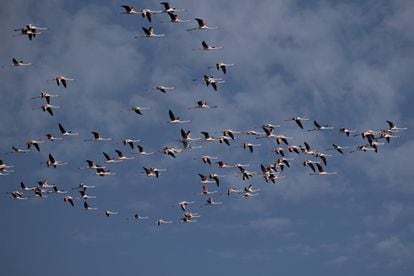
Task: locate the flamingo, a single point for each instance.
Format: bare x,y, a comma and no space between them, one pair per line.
204,179
18,195
23,187
191,215
168,8
298,120
322,156
129,9
51,162
144,12
201,25
294,149
184,204
222,164
58,191
85,196
207,159
69,199
130,142
207,136
233,190
148,33
209,80
19,150
108,213
47,96
97,137
268,132
249,189
320,127
16,63
141,151
230,133
175,19
171,151
52,138
282,138
62,80
339,148
216,178
280,151
92,165
136,216
65,132
375,145
39,192
187,220
310,163
273,177
34,143
122,157
87,207
4,167
48,107
83,186
321,170
30,30
161,221
175,120
109,159
203,104
206,47
245,173
254,133
205,191
392,127
250,146
164,89
138,109
210,201
185,135
103,172
26,31
270,126
224,139
347,131
153,171
387,135
223,66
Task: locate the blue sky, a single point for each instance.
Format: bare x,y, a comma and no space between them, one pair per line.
345,64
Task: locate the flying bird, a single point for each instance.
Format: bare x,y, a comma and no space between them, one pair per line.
46,96
16,63
48,107
65,132
138,109
97,137
203,104
62,80
149,32
52,162
175,120
206,47
222,66
320,127
201,25
164,89
175,19
168,8
298,120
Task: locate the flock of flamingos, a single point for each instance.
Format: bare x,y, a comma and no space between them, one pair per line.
314,160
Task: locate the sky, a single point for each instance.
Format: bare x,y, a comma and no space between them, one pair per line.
341,63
